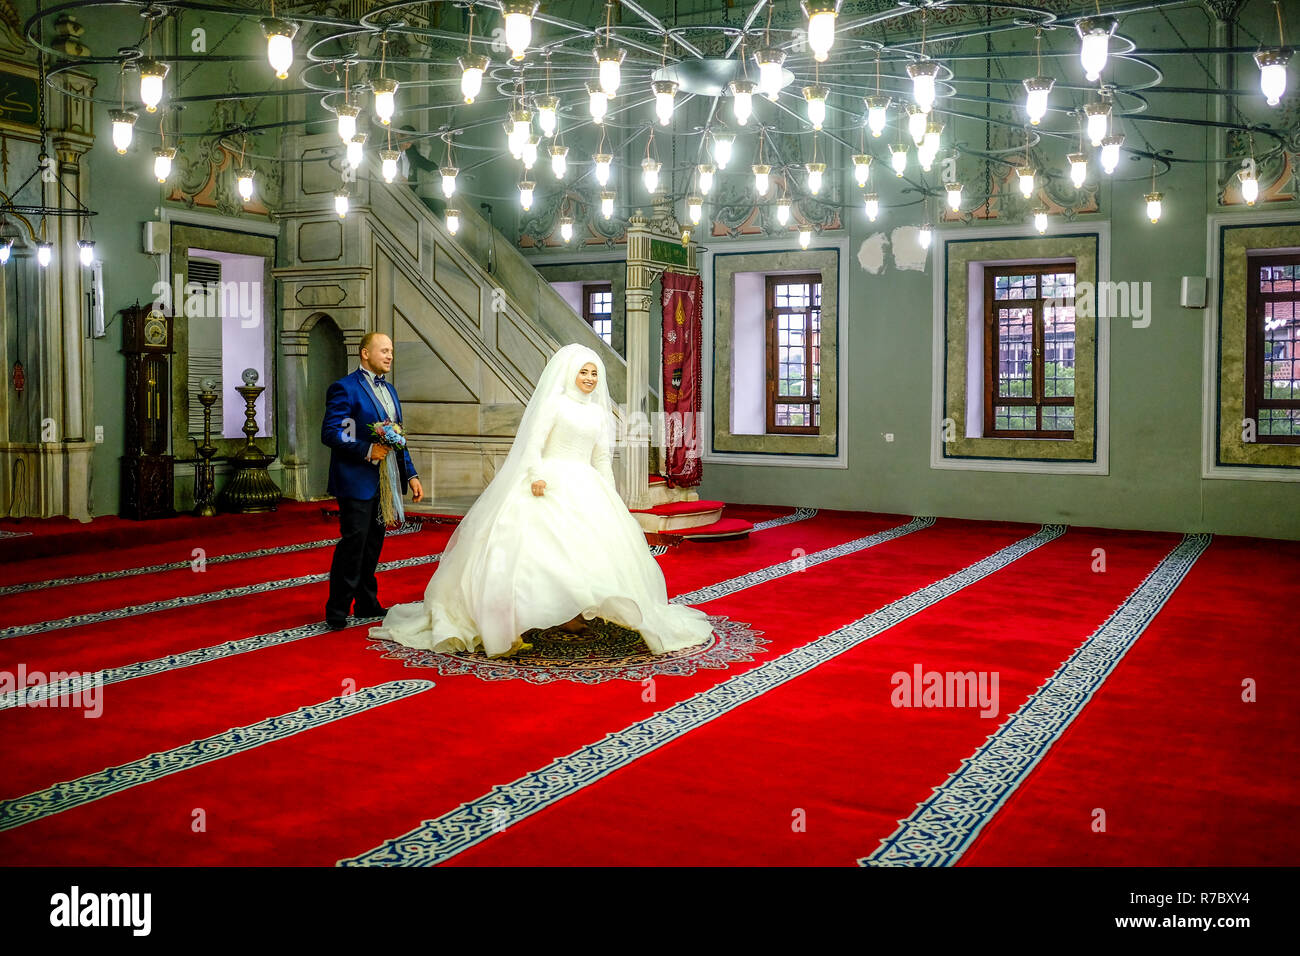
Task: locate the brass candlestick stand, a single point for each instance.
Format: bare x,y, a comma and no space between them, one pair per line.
205,472
250,488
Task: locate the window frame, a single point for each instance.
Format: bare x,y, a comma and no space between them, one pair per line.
1038,358
595,288
1254,370
770,282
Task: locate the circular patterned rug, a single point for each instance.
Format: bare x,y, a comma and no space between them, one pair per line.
605,651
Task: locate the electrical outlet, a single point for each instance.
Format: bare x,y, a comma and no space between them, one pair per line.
99,434
889,436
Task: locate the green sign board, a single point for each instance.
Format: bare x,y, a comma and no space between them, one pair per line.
18,102
668,253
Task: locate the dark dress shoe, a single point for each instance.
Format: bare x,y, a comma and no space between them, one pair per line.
376,611
336,623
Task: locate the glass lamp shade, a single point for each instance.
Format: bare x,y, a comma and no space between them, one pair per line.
152,75
546,115
805,237
815,173
6,247
356,150
123,128
877,114
916,123
923,76
244,183
650,174
706,178
388,164
519,27
821,28
762,178
521,127
347,120
341,202
86,252
526,194
742,100
861,169
771,73
1094,45
162,162
453,220
722,148
898,158
1110,152
695,209
1037,89
1025,176
597,103
1272,74
954,195
384,93
559,161
783,211
448,174
872,206
1040,220
925,236
1249,186
602,167
1078,169
1098,117
665,94
610,72
44,253
816,99
471,76
607,204
529,153
566,228
1154,205
279,44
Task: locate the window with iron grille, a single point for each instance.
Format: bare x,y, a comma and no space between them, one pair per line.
794,326
1273,348
598,309
1029,351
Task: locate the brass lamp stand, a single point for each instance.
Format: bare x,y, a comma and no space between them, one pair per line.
205,472
250,488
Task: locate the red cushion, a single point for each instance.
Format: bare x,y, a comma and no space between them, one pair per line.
724,528
681,508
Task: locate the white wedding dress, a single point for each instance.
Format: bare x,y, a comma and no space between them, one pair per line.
518,561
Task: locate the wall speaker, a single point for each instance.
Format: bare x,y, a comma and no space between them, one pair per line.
1193,292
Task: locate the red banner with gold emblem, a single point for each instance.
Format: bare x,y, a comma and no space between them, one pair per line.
683,319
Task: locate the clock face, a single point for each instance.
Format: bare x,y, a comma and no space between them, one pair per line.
155,331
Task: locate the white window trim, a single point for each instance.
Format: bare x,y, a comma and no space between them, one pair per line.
1210,354
841,458
938,375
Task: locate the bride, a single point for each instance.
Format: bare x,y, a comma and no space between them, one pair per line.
549,542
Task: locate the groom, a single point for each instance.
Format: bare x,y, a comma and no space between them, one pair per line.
357,467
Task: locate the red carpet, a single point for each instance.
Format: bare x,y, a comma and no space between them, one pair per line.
826,748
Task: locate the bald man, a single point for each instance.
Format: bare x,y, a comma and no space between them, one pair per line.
357,467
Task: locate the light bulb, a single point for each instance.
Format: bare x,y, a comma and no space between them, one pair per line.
1249,185
519,27
244,183
341,202
650,174
861,168
815,171
872,206
1026,177
816,97
86,252
954,195
695,209
923,74
1094,48
123,128
877,114
602,167
686,235
526,195
1078,169
821,28
44,252
916,123
356,150
1036,90
388,164
1272,74
1040,220
546,107
665,93
347,118
448,174
529,152
805,237
783,211
607,204
559,161
771,74
597,102
6,247
1110,152
279,44
722,143
566,228
152,74
933,131
898,158
762,179
610,70
384,90
925,236
162,162
453,220
1154,205
706,178
742,100
1098,121
471,76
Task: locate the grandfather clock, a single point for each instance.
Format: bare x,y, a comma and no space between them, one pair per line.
147,469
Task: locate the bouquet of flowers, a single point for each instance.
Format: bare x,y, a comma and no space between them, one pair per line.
388,433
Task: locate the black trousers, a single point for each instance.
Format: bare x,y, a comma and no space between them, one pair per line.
352,572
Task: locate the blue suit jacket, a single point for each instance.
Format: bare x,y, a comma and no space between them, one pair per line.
351,399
